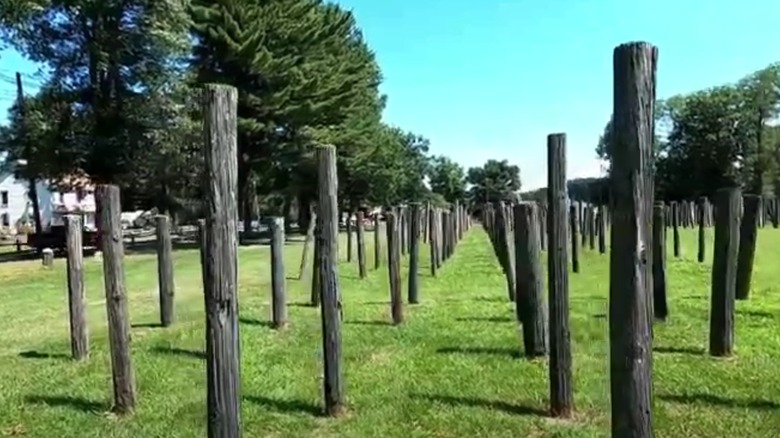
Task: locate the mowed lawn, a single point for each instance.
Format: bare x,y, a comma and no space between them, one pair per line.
452,370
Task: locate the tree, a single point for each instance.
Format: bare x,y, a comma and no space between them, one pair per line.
447,178
493,182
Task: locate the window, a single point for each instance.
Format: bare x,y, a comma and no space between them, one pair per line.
6,220
4,198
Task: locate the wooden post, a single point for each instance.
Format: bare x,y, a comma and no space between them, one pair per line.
724,270
629,325
747,244
221,261
278,286
660,306
47,258
561,390
377,243
529,292
79,332
403,228
116,298
394,265
316,293
361,244
308,242
349,237
433,240
503,247
592,228
702,225
165,270
573,225
675,228
328,243
602,229
414,253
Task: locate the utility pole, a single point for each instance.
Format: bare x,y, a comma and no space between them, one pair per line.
32,186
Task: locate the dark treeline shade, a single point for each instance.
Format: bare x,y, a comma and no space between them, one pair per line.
561,382
728,205
220,273
631,207
107,197
330,308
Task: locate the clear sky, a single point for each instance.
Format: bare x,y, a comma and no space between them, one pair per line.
491,78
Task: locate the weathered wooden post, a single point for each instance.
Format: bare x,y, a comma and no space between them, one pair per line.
504,249
676,228
529,292
414,253
724,270
660,306
573,225
602,229
349,236
327,237
278,286
165,270
361,244
561,390
592,222
394,265
432,239
116,297
47,257
702,224
377,243
630,187
747,244
316,293
79,333
220,284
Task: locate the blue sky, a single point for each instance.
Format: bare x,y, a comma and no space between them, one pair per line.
491,78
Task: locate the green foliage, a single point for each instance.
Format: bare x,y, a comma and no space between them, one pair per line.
448,179
493,182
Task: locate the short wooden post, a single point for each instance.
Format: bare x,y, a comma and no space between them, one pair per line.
561,389
79,332
221,260
278,286
47,257
116,297
316,292
165,270
349,237
728,205
329,280
629,324
748,235
414,253
573,226
602,229
702,224
403,228
676,228
361,244
592,228
660,306
529,292
394,265
504,249
433,240
377,243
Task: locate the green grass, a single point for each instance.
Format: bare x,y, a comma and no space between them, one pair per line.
450,371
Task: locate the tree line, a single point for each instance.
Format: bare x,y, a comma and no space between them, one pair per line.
119,104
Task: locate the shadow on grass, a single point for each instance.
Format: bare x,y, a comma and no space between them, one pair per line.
714,400
41,355
484,319
300,305
173,351
377,323
147,325
511,352
257,322
77,403
493,405
287,406
756,313
695,351
600,316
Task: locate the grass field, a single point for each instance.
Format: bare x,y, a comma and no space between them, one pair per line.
451,371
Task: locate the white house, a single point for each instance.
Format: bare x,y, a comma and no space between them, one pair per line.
54,203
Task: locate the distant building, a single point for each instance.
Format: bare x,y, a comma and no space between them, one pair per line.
70,195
